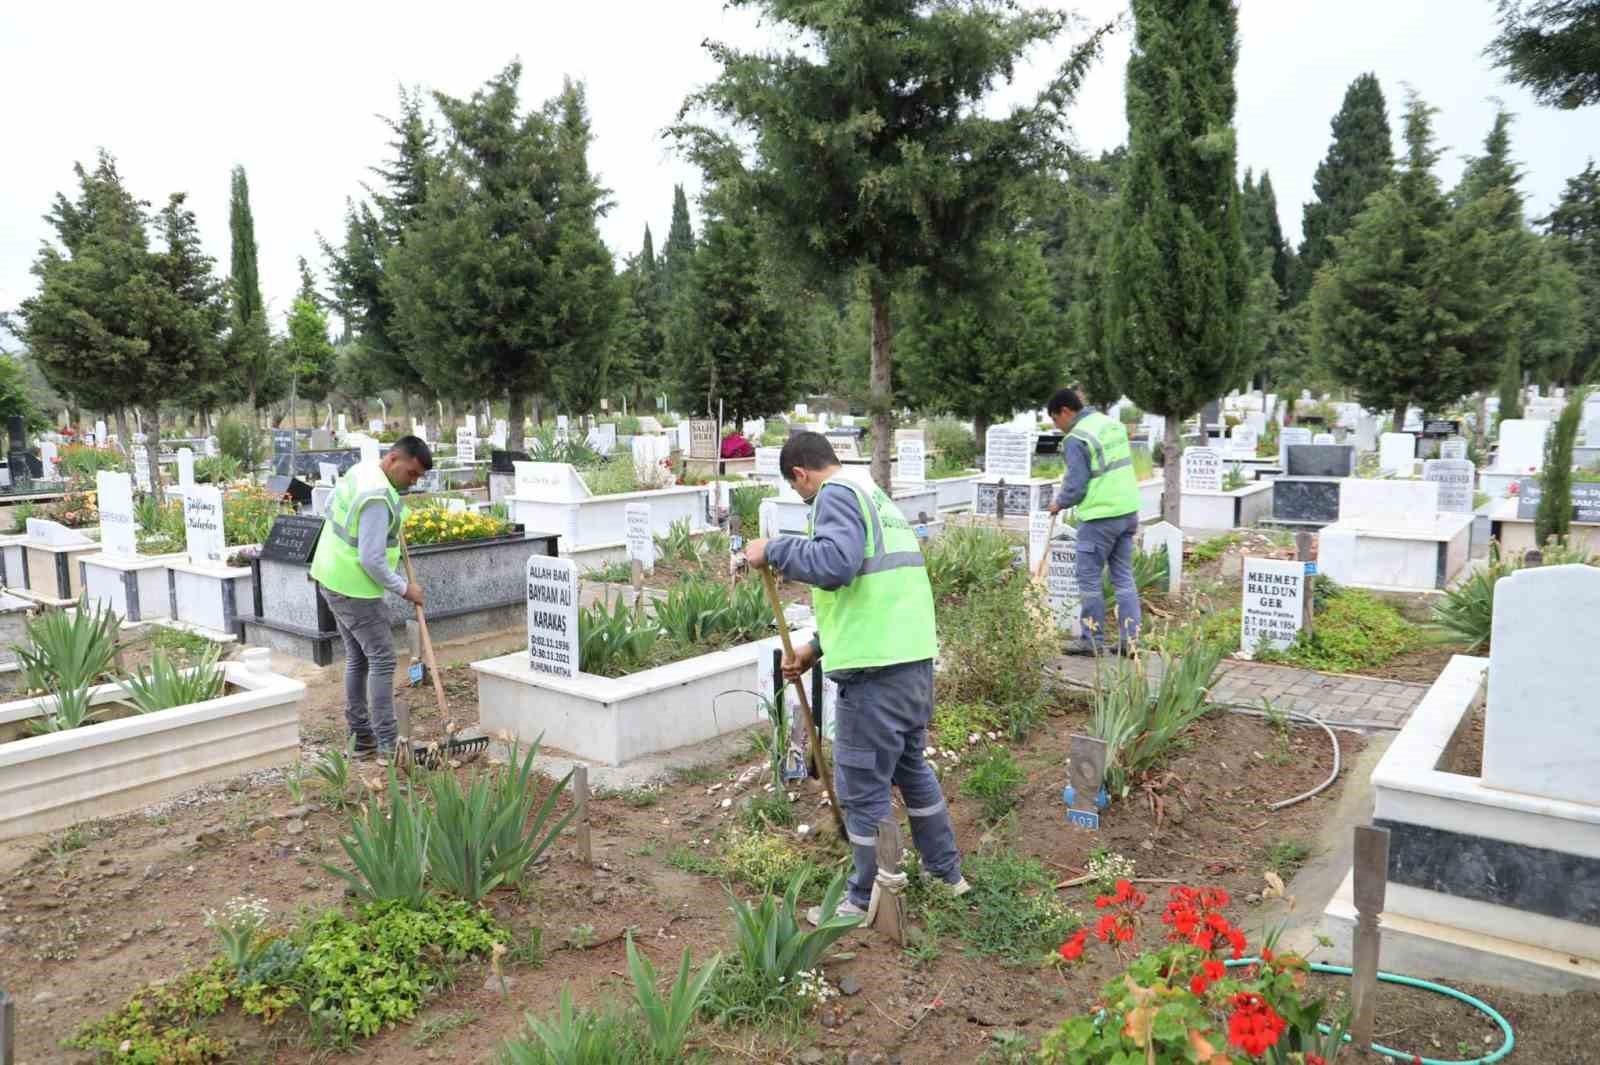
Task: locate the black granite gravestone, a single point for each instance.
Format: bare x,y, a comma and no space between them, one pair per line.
293,538
503,461
1307,501
1320,460
297,490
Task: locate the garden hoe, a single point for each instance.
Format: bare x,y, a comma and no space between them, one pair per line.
432,755
813,728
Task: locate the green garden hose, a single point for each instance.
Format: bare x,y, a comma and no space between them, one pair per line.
1425,985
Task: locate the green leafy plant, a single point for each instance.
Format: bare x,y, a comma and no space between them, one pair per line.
1234,479
994,645
1212,549
668,1019
1138,726
773,949
953,442
965,559
954,723
68,649
575,1037
613,642
166,685
388,845
333,770
1012,911
693,611
995,782
678,544
69,709
745,504
612,477
616,572
238,928
79,462
1355,631
520,836
1149,574
240,441
217,469
248,513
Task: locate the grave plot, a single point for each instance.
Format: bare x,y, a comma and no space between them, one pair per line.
74,748
592,522
677,557
1217,496
1395,536
1489,798
470,564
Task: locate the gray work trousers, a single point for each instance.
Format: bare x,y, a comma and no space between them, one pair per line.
368,670
1106,542
882,721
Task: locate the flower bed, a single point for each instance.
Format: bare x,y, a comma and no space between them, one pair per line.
113,767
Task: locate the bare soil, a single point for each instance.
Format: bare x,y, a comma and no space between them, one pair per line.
88,915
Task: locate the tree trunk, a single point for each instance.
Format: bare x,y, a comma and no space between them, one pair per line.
515,402
880,390
152,447
123,436
1481,431
1171,469
255,415
980,428
538,411
1400,405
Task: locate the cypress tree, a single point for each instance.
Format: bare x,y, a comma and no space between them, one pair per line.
1261,227
1551,47
679,248
248,344
306,345
1179,277
1359,163
1553,520
1574,228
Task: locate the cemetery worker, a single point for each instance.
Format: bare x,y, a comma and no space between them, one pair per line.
875,636
1101,483
356,562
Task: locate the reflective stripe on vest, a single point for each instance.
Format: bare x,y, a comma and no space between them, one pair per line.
1113,488
884,616
337,562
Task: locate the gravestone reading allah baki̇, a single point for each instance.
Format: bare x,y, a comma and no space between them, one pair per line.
553,616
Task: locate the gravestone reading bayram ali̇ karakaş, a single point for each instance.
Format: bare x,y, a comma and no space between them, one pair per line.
553,616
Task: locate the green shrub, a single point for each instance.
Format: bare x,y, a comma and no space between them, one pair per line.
1554,518
615,641
167,686
1138,726
953,723
745,504
240,441
248,513
217,469
389,848
995,781
79,462
956,444
967,558
1355,631
994,646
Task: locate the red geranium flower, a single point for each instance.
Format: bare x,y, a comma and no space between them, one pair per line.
1072,949
1254,1026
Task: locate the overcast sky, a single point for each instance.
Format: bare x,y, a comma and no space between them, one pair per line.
182,92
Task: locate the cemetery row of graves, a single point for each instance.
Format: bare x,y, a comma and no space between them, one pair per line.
1333,615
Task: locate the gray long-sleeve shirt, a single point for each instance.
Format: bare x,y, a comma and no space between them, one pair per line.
372,543
832,556
1075,482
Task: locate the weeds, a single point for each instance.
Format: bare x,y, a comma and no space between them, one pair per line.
1356,631
966,559
576,1037
1212,549
678,544
1011,912
437,1027
1286,856
995,782
611,643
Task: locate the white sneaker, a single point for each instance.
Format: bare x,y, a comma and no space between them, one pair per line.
846,909
960,887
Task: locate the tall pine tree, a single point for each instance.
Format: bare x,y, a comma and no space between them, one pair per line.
1359,163
1574,228
1262,228
1179,277
868,147
1551,47
1395,309
249,345
306,346
640,338
679,248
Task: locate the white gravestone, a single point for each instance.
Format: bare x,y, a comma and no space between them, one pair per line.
202,525
683,437
1156,426
801,410
1521,446
1367,434
1454,447
1202,470
603,438
1541,734
1040,522
563,423
769,518
1062,580
54,534
649,425
466,446
1274,604
1257,422
913,462
1397,454
1291,434
767,462
328,472
649,453
1166,535
497,439
119,532
1387,504
553,616
141,468
99,430
1008,453
48,455
1242,441
369,450
846,446
185,468
1324,438
548,482
641,543
471,423
1455,478
342,427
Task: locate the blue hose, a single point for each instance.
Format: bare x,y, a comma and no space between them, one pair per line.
1425,985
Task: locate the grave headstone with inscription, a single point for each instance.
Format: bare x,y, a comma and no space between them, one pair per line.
912,466
641,542
466,446
119,530
1321,439
1062,575
703,441
767,463
1455,478
202,525
1040,524
1274,604
1008,453
1453,448
1242,441
1289,435
1202,470
553,616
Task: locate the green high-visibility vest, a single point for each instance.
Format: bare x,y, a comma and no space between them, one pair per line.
1113,486
884,616
337,563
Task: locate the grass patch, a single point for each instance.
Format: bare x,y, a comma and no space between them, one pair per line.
184,647
1286,856
1212,549
695,774
1353,631
954,722
1011,913
996,783
758,859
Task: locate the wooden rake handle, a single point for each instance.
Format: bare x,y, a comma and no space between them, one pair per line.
813,728
427,641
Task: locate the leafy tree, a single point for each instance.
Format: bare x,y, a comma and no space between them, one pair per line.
306,347
1075,219
17,398
868,148
1553,519
1551,47
1261,228
1359,163
405,176
1179,276
248,345
729,331
639,342
991,347
1394,309
1555,335
1510,385
1574,228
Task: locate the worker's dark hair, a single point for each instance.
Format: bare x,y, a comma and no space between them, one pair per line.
414,447
1064,397
808,451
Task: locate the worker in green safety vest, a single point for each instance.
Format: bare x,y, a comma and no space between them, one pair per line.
876,640
356,562
1101,484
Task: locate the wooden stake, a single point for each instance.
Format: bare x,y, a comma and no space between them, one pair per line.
1371,876
891,915
580,802
638,588
8,1028
403,749
813,726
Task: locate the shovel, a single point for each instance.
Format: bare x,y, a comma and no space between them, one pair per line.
430,755
812,728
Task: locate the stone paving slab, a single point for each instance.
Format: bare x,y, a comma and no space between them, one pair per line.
1338,699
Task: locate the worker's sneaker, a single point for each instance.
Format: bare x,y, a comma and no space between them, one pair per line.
960,887
846,909
1078,647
